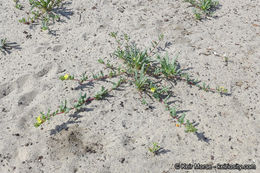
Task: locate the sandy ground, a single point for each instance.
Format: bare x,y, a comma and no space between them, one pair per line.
113,135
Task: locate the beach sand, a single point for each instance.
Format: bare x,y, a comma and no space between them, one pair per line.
113,135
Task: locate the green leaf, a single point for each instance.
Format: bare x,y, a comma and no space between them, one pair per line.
189,127
36,125
101,61
181,119
173,112
161,36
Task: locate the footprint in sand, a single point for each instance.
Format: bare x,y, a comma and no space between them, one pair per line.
27,98
21,81
57,48
43,72
5,90
39,50
47,69
67,143
71,143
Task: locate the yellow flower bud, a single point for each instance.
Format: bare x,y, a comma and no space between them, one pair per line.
66,76
39,120
153,90
222,88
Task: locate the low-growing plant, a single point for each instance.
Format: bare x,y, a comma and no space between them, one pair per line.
168,68
4,46
144,75
18,5
205,6
44,11
226,60
155,148
197,14
133,56
140,79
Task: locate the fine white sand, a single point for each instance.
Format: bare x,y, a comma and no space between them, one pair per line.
114,135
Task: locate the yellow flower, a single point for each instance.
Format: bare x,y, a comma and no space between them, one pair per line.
66,76
177,125
153,89
134,59
39,120
222,88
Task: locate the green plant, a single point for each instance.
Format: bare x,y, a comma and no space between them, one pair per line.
133,56
206,6
4,46
18,5
155,148
141,81
44,11
197,14
189,127
44,5
167,67
148,76
226,60
101,94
